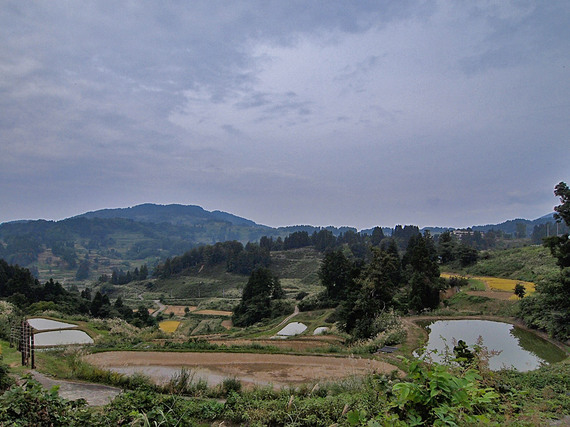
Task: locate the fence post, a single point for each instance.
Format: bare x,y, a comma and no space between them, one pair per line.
23,343
33,351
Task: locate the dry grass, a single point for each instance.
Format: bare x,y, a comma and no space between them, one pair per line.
169,326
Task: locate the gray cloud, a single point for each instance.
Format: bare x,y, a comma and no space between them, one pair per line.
337,112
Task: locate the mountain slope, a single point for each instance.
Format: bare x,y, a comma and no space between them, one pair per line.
174,214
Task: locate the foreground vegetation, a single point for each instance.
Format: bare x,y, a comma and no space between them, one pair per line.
430,394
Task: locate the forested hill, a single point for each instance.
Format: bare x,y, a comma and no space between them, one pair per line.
514,225
173,214
121,239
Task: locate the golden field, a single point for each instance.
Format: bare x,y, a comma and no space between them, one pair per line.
496,283
169,325
506,285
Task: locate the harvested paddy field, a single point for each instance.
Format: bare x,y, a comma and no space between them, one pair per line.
250,368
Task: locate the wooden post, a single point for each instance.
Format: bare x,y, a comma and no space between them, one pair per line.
23,343
33,351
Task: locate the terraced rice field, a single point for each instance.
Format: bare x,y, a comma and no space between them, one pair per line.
506,285
280,370
498,284
169,326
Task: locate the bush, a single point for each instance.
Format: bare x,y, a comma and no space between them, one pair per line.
5,380
32,405
231,385
316,302
185,383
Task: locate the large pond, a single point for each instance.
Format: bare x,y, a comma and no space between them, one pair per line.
516,347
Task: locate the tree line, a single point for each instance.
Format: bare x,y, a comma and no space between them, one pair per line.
363,290
236,258
21,288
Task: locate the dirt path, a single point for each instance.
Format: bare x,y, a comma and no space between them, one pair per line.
94,394
161,307
250,368
289,317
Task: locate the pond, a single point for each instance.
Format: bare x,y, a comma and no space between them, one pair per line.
62,337
516,347
41,324
294,328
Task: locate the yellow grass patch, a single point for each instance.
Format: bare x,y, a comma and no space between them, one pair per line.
169,325
449,275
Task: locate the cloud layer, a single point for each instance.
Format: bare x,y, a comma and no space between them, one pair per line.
343,113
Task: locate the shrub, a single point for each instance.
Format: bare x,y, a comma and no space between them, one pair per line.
185,383
5,380
231,385
32,405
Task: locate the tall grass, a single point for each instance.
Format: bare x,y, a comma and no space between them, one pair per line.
186,383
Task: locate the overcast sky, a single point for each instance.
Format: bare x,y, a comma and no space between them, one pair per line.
286,112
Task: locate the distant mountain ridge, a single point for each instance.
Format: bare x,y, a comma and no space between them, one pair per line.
175,214
510,226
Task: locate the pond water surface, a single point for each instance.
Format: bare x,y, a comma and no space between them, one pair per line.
517,348
62,337
41,324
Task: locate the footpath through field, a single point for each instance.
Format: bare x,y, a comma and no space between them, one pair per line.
289,317
94,394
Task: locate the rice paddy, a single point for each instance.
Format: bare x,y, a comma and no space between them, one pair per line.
169,326
496,283
506,285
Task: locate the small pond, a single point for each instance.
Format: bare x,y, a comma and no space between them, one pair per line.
41,324
518,348
62,337
294,328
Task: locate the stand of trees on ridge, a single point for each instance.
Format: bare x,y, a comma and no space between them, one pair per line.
241,259
362,290
360,286
262,298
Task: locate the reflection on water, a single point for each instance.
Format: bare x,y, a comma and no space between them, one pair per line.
516,348
63,337
41,324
